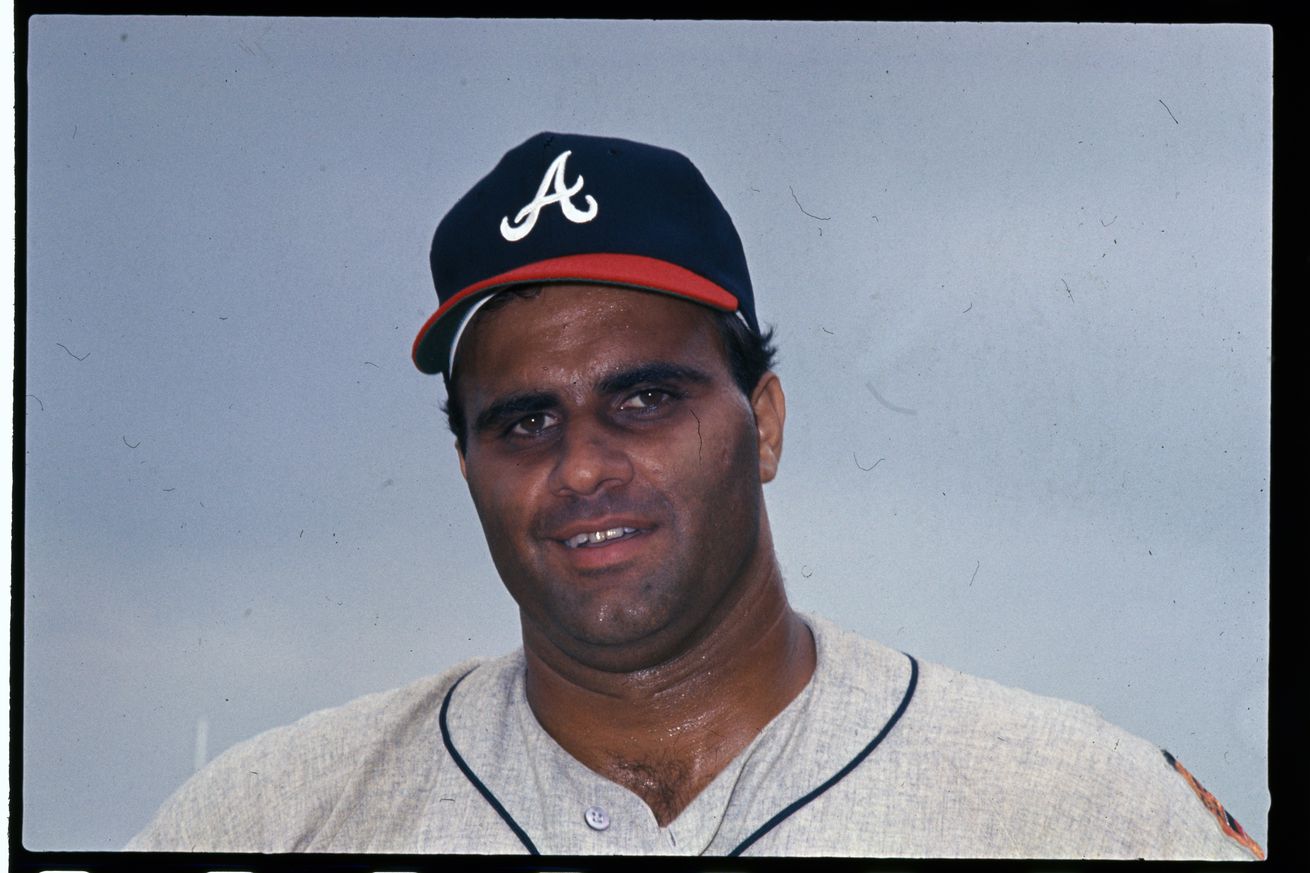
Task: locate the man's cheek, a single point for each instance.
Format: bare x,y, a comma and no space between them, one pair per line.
492,512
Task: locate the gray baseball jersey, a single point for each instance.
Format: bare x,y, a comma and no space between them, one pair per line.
880,755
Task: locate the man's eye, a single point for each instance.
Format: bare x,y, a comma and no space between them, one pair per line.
650,398
532,425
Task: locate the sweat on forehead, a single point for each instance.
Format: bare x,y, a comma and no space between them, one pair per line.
749,354
553,316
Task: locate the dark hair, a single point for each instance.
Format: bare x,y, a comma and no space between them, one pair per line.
750,355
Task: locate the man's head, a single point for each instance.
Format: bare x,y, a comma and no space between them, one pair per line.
610,393
617,467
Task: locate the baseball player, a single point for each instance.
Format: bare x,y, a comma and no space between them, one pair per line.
616,418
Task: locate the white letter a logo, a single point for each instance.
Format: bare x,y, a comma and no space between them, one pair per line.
561,194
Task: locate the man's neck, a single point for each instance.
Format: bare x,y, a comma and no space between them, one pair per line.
665,732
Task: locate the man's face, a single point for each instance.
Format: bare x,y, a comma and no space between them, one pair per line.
616,468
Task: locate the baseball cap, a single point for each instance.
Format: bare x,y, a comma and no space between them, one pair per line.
583,209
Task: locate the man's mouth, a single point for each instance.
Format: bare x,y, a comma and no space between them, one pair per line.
592,539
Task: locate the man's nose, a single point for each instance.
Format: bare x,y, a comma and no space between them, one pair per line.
591,458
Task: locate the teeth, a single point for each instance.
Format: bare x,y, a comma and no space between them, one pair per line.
597,537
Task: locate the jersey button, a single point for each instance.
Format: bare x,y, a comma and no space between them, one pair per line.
597,819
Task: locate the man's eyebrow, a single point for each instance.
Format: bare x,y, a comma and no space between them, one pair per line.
658,372
528,402
514,405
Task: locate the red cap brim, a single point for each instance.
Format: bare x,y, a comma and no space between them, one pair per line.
635,271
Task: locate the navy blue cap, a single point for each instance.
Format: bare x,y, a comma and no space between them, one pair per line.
573,208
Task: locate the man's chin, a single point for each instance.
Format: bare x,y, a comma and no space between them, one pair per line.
618,643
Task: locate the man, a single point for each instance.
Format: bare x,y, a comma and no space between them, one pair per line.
616,418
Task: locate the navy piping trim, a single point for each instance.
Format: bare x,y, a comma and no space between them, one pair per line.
841,774
477,783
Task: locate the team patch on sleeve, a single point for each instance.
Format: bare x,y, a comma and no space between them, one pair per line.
1227,823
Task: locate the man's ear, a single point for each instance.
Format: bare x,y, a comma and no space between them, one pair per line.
463,470
770,408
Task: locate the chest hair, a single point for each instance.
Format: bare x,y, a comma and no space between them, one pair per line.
666,784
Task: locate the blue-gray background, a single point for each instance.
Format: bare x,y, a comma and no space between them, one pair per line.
1020,276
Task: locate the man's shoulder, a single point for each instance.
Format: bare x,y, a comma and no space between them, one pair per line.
1035,775
955,711
269,792
952,709
945,694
